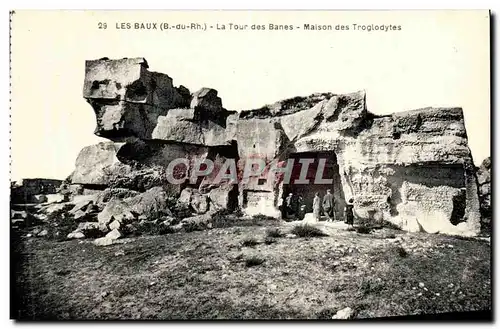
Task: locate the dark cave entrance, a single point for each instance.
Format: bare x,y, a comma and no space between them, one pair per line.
307,191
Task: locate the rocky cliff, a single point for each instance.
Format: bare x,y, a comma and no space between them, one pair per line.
411,168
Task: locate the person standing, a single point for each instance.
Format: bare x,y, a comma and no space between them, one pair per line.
328,206
316,207
289,205
349,212
301,207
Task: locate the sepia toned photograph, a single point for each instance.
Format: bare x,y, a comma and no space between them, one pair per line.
250,165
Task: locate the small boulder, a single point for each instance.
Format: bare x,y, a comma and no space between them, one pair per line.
115,225
224,197
344,314
114,234
76,235
79,215
185,196
199,222
43,233
115,209
199,203
109,239
194,199
104,241
152,203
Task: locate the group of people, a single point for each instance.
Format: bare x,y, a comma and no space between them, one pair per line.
294,207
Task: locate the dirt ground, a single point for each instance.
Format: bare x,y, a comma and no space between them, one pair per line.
238,273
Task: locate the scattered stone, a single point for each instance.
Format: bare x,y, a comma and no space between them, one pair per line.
115,209
120,253
43,233
152,203
195,199
79,215
344,314
76,235
290,236
114,234
41,217
104,241
114,225
421,285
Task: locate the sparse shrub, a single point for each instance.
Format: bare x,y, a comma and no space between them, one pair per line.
401,251
249,242
253,261
222,219
326,314
274,233
60,213
390,225
191,227
181,210
390,236
152,228
306,231
65,225
371,286
269,240
466,238
363,229
261,217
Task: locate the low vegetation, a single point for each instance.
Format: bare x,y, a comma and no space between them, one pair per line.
210,275
249,242
253,261
307,231
274,233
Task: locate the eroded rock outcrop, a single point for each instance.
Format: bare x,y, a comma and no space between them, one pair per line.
411,168
484,181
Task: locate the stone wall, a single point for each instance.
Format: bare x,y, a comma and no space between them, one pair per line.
27,190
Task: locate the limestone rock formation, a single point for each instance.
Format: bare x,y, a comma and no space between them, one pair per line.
96,163
484,181
411,168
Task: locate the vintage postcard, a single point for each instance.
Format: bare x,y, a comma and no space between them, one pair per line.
249,165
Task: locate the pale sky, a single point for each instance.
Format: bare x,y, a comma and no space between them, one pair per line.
437,59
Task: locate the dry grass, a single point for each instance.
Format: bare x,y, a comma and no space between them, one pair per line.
209,275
